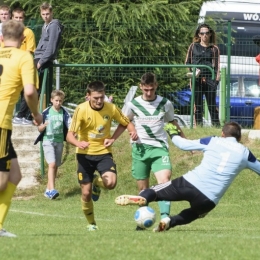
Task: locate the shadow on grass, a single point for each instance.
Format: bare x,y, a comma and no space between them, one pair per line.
73,192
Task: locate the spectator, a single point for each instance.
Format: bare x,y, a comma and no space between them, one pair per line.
5,15
56,120
47,48
203,51
28,44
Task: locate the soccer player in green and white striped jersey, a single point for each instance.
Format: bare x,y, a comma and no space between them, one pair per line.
150,112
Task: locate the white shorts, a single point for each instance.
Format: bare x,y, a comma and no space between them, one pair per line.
52,152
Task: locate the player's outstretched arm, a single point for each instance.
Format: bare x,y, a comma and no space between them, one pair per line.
31,97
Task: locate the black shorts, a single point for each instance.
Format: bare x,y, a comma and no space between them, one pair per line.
7,151
88,164
181,190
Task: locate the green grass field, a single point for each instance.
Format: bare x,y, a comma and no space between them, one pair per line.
57,229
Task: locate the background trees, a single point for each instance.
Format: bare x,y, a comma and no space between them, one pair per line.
120,32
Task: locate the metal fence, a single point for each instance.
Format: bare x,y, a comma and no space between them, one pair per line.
238,53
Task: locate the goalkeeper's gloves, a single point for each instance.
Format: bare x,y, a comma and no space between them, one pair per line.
172,130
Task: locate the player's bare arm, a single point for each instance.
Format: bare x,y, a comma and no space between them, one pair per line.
132,132
71,138
31,97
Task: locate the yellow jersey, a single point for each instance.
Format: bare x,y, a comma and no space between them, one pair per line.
28,43
94,126
16,70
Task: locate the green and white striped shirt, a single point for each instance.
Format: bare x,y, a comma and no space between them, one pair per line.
149,118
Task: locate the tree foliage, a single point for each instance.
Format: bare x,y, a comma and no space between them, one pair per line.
121,32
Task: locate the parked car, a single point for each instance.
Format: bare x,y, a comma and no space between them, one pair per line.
244,97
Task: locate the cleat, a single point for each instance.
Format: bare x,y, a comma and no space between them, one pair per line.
92,227
95,190
163,225
4,233
130,200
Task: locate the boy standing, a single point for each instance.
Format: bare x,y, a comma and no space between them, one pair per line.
54,129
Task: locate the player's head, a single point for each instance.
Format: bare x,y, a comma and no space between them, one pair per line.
5,14
46,12
57,98
232,129
206,33
13,31
96,94
18,14
148,85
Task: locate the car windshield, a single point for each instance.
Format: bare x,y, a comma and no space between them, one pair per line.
244,87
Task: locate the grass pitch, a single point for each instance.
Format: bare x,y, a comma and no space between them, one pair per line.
57,229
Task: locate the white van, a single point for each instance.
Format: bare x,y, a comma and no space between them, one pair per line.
245,25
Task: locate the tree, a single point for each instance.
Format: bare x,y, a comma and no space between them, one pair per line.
122,32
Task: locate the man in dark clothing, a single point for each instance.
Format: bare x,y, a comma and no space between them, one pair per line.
46,50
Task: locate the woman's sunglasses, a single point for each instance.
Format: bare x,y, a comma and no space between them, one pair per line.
202,33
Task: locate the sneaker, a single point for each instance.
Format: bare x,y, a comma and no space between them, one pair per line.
130,200
139,228
17,120
27,122
92,227
95,190
4,233
51,194
163,225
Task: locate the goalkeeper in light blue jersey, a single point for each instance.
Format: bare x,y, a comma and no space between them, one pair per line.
224,158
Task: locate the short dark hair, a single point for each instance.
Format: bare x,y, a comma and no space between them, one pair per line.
18,10
232,129
96,86
148,79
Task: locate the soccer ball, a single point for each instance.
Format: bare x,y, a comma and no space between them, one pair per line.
145,217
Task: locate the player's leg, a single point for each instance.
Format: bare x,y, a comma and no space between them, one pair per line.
50,157
210,94
107,177
141,167
106,166
10,176
85,172
198,100
162,170
178,190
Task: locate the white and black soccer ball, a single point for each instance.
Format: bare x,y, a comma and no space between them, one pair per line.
145,217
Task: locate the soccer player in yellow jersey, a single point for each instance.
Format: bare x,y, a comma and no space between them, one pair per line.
91,123
17,72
